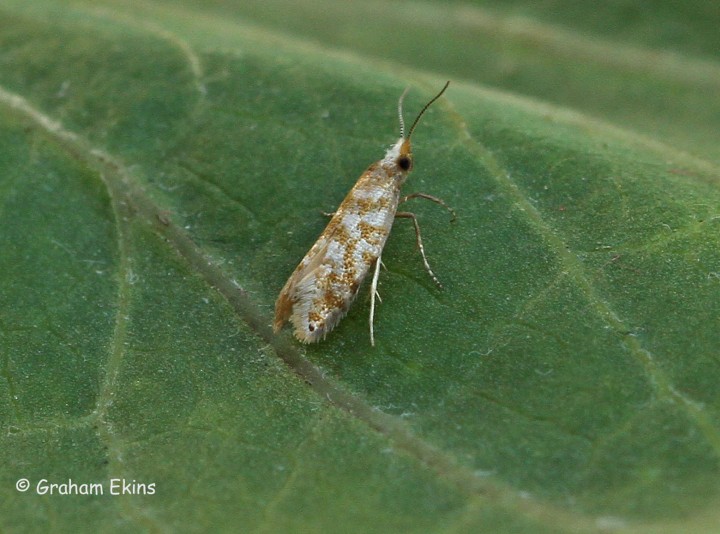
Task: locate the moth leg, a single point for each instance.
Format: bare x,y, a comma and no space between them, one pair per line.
409,215
432,199
374,293
328,213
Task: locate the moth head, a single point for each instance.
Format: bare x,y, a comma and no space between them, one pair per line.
404,159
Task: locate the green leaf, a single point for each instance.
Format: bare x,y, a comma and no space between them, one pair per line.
163,168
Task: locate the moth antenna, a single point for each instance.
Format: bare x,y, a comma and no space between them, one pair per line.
412,128
400,113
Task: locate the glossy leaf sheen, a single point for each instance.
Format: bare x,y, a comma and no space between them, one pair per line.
164,166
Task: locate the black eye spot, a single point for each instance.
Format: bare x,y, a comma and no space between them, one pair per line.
311,327
404,162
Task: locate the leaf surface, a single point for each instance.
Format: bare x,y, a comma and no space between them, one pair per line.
164,168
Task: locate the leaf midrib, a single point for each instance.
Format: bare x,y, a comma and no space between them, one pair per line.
125,191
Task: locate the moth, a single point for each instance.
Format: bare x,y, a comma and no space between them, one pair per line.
323,286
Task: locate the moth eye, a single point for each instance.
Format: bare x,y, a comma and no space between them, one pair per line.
311,327
404,162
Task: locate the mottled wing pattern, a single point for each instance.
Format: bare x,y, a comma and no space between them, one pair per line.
321,289
324,284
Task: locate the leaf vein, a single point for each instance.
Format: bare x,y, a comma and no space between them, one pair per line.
571,264
127,193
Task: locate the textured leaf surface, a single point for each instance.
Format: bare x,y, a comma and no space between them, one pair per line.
163,167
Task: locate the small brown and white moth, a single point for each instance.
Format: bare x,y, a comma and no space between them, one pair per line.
323,286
